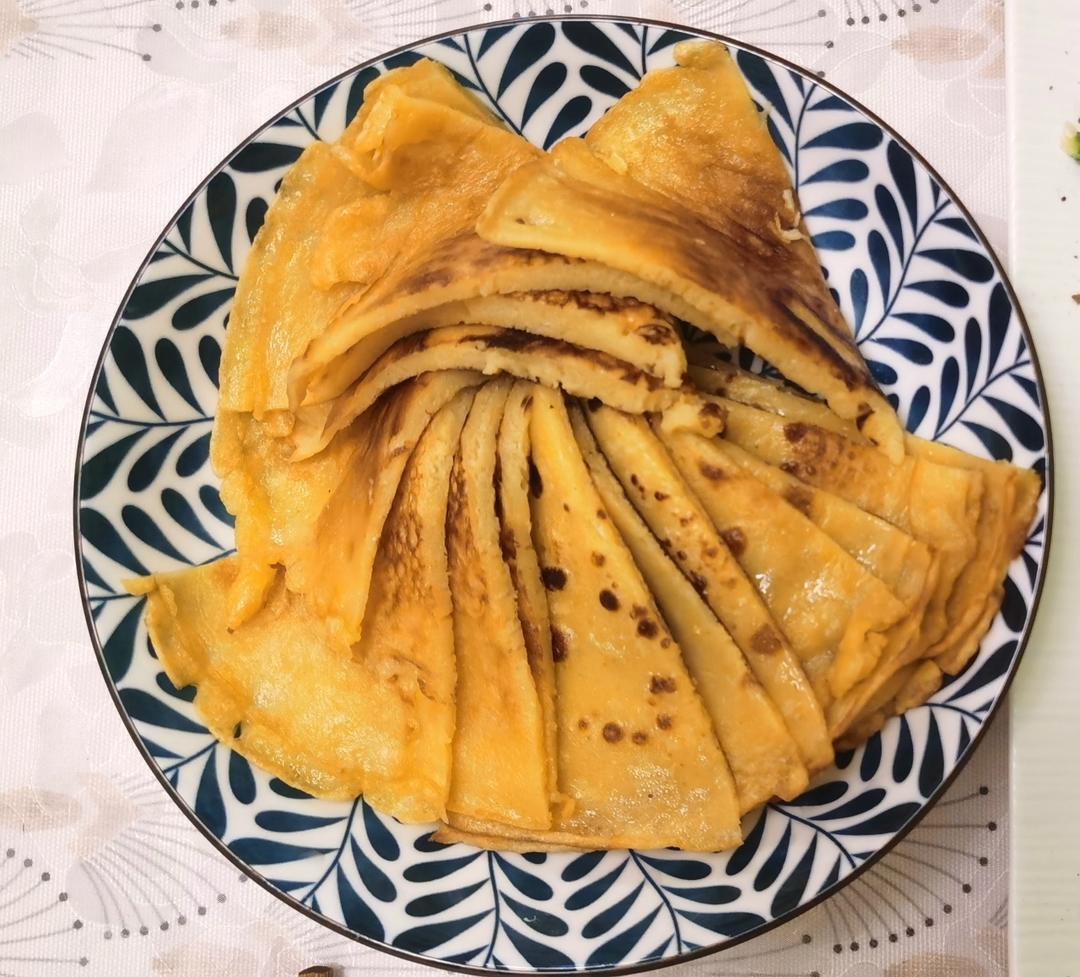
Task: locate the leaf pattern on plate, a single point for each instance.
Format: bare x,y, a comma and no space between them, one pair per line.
935,321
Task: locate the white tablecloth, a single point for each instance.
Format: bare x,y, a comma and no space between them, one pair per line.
111,111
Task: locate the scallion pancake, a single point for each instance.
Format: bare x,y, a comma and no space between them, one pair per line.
763,757
500,765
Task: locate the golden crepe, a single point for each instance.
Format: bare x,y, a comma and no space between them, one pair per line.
515,539
489,349
508,565
676,517
763,757
670,222
375,718
500,769
297,514
637,753
936,504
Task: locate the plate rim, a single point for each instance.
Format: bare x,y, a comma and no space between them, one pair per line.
627,969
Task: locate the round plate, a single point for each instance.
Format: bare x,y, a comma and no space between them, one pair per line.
934,317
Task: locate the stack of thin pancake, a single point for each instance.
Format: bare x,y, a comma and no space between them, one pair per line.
506,560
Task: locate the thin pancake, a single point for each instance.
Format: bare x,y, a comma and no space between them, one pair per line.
573,204
278,310
434,168
490,350
637,752
515,540
334,720
500,767
936,504
676,517
763,757
622,327
837,616
321,518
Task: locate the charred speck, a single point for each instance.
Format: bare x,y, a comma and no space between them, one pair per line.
662,683
711,472
698,583
608,600
765,640
613,732
598,559
795,432
647,628
640,738
560,645
660,496
663,721
554,578
536,483
735,539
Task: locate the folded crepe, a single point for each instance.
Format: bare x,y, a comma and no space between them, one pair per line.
500,766
650,195
837,615
289,691
321,518
937,504
488,350
763,757
515,540
637,753
676,517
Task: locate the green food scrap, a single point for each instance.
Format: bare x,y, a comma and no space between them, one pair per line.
1070,142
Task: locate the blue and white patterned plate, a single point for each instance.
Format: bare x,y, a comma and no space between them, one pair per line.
936,320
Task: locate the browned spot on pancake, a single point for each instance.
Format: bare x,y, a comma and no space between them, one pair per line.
661,683
663,721
765,640
598,559
660,496
665,642
735,539
514,340
633,479
790,467
560,645
640,738
748,680
647,628
508,544
800,498
684,520
657,334
711,552
711,472
698,583
608,600
583,724
536,483
795,431
680,554
613,732
601,514
425,279
566,507
554,578
637,611
712,412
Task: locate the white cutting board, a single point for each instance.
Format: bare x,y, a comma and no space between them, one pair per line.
1043,58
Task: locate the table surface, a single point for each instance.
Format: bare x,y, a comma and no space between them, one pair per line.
112,111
